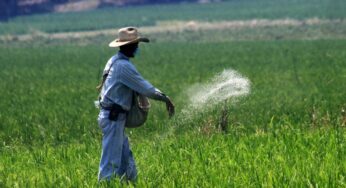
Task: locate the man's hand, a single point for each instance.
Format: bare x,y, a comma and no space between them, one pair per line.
170,107
169,104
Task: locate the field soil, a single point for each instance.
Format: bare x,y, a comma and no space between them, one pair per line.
176,26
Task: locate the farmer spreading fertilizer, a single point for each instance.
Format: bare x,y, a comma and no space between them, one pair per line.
123,91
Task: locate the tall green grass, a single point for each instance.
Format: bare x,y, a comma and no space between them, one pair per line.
281,157
54,86
289,132
149,15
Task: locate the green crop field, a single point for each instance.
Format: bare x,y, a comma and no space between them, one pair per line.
150,15
289,131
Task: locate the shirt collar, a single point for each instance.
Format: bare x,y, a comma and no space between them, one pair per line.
122,56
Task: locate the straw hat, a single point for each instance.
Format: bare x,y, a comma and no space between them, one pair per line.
127,35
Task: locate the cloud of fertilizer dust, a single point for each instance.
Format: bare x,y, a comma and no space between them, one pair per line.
227,85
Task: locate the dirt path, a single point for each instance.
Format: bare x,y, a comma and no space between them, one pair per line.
178,26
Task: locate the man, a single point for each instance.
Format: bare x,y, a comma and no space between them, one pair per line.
120,80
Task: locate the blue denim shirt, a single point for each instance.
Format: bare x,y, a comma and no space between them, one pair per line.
123,78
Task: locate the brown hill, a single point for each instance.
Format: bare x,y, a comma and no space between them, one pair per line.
11,8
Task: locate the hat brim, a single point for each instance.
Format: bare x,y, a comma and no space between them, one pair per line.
116,43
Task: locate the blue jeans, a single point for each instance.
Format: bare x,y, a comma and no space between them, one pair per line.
116,157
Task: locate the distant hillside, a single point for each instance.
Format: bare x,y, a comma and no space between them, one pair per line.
12,8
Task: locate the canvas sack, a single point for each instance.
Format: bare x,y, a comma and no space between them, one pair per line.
138,113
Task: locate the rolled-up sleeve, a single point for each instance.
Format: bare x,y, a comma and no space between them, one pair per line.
130,77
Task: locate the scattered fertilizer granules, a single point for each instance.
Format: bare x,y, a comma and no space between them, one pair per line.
228,84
